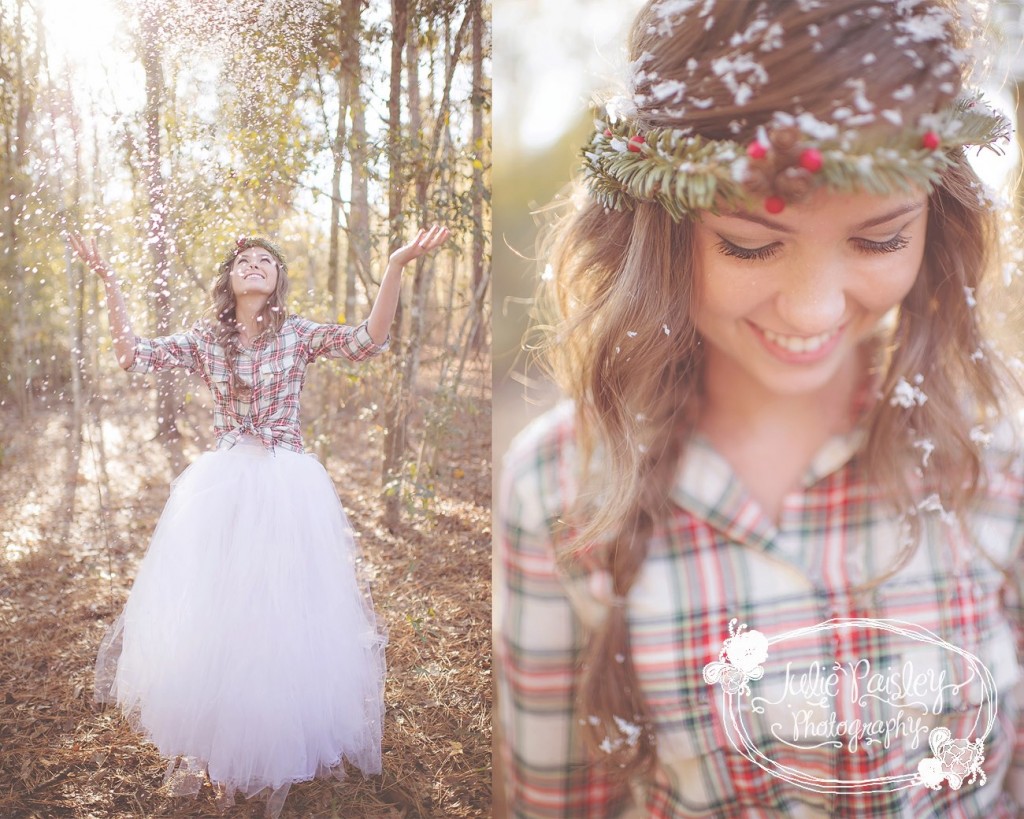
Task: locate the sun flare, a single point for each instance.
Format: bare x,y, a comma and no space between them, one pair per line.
89,41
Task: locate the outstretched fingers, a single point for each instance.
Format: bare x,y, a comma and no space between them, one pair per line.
88,252
432,239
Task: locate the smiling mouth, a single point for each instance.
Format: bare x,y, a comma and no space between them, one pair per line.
800,344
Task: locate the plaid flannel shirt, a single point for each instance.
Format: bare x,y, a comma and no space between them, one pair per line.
716,558
275,368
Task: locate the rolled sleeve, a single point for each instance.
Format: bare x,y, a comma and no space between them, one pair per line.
340,341
178,351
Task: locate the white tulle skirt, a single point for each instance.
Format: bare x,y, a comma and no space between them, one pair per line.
248,650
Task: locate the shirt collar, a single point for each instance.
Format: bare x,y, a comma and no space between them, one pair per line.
706,486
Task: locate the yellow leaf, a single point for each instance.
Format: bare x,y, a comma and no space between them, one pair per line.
458,472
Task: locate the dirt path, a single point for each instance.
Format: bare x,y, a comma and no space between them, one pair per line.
70,540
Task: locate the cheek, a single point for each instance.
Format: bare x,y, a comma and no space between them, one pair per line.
725,293
887,283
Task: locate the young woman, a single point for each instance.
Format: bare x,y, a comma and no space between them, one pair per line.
765,562
248,650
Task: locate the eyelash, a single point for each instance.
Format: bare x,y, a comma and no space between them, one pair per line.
760,254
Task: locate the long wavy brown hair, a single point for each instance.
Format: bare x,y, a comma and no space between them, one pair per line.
619,277
224,320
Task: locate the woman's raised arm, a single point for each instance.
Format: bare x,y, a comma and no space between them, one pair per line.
120,323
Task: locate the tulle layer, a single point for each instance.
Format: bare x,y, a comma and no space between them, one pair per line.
247,645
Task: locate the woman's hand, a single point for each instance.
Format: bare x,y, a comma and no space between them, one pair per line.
425,241
89,253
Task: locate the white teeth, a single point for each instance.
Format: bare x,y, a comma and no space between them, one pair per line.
799,344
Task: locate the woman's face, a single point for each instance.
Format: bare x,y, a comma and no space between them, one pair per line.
254,272
786,298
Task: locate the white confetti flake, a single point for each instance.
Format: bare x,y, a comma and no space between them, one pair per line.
907,395
630,730
980,436
927,448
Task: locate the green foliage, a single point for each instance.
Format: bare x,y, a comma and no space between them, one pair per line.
686,174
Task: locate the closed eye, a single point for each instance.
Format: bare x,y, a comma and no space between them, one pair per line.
896,243
750,254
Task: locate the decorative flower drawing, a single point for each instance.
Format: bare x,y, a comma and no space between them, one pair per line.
954,761
739,661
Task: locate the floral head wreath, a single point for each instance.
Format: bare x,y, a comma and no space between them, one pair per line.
246,242
788,159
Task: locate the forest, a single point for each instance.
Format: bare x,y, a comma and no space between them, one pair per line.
167,129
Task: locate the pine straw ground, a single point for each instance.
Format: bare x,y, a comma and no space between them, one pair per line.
68,568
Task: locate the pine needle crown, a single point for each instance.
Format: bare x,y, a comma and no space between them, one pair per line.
789,158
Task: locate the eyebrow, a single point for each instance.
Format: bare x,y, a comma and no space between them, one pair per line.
902,210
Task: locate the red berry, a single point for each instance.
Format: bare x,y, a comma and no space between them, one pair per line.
810,160
755,150
774,204
608,132
635,142
931,140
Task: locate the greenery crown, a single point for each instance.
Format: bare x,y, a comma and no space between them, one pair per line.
788,159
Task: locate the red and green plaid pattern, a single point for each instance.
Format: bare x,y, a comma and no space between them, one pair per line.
275,368
717,558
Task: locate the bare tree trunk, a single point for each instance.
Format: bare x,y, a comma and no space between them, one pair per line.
395,402
73,277
341,77
479,96
17,150
359,207
167,403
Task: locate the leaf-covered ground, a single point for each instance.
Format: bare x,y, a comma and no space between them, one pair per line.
72,535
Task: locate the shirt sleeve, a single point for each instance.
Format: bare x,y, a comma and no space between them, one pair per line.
178,351
339,341
537,641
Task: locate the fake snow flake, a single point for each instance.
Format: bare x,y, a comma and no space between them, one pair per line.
969,293
665,330
924,27
621,107
630,735
903,93
980,436
630,731
815,128
927,448
860,100
933,504
906,395
631,333
668,91
548,274
730,69
666,10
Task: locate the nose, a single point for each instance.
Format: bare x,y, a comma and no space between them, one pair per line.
812,296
